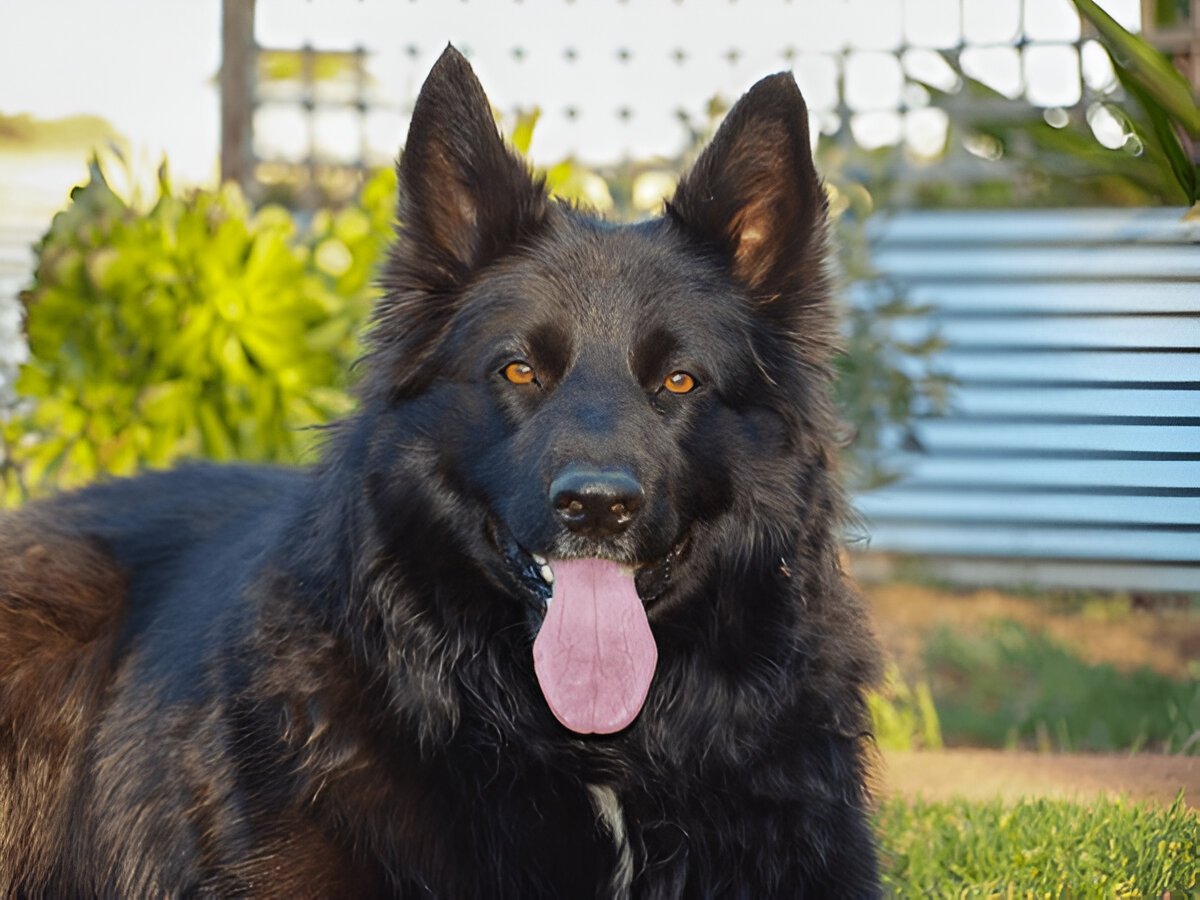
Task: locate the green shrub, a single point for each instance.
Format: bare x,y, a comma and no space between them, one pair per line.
904,717
883,383
1014,687
193,327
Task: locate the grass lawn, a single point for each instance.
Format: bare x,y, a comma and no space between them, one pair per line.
1039,848
1012,686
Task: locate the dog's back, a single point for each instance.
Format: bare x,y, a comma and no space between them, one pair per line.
80,579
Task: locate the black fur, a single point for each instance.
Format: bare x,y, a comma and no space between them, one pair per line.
242,681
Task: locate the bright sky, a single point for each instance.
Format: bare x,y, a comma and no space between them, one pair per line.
145,65
148,66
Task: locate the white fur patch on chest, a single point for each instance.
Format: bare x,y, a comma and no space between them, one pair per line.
612,817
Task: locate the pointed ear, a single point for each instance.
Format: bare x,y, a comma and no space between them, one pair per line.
754,194
464,196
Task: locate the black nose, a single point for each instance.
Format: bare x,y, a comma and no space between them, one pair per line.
597,503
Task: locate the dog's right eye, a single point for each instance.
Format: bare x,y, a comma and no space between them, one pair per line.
519,372
679,383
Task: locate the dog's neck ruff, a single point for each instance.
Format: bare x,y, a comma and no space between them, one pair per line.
594,655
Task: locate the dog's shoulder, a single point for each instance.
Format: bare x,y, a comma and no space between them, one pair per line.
81,575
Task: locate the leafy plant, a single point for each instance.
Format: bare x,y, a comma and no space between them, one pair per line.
1016,687
883,382
569,179
904,717
192,327
1163,100
1016,157
1010,152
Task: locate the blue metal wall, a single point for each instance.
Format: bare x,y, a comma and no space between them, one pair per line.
1071,453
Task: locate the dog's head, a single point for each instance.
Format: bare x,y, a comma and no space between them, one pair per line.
616,411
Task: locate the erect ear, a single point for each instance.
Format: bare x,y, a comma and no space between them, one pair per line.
464,196
754,195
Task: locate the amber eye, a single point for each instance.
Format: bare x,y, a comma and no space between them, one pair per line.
679,383
519,372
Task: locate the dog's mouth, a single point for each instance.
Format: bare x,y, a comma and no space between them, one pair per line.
533,573
594,654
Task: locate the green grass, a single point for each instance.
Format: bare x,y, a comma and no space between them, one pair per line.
1014,687
1039,848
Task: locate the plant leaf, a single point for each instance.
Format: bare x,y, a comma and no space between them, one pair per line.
522,133
1145,66
1162,136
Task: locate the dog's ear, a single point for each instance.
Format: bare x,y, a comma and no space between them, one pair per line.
464,196
754,195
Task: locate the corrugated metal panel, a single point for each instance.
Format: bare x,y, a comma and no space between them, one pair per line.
1071,453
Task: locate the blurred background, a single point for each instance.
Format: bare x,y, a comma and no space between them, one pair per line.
194,195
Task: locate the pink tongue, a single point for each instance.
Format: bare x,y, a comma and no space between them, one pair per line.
594,655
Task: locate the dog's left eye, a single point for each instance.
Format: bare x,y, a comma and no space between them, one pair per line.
679,383
519,372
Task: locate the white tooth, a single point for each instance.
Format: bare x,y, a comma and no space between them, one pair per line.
547,574
540,560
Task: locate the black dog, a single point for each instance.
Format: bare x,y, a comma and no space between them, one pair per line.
559,614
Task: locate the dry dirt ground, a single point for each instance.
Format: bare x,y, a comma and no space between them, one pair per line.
1009,774
1165,639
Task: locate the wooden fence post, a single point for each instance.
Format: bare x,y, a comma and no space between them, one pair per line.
237,92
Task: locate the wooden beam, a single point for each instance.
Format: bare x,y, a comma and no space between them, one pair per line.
237,92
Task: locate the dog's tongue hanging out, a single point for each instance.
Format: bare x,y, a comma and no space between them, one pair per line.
594,655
